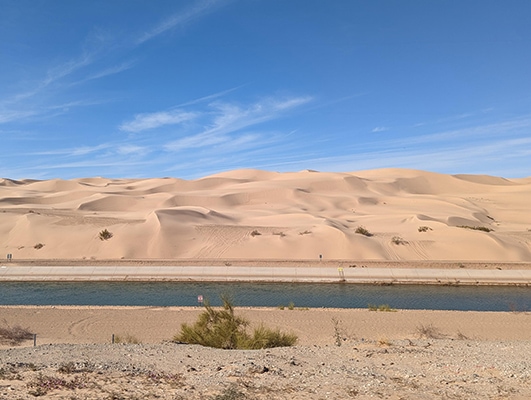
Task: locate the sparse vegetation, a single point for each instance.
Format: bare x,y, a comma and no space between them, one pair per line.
338,337
232,392
291,305
398,240
105,235
363,231
461,336
281,234
223,329
384,342
14,335
429,332
305,233
255,233
424,229
127,338
381,307
175,380
476,228
42,384
38,246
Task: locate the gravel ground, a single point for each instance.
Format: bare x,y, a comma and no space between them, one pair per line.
357,369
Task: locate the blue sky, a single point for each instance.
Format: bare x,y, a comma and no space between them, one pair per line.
141,88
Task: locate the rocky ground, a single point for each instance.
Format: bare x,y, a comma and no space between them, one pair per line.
422,368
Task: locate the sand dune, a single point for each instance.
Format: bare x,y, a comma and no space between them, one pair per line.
410,215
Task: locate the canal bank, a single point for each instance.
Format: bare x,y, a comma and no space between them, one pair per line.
242,273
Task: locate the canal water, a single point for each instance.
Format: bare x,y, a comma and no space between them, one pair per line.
330,295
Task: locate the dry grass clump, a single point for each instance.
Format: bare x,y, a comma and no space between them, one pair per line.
430,332
363,231
381,307
126,339
232,392
14,335
223,329
476,228
398,240
424,228
105,235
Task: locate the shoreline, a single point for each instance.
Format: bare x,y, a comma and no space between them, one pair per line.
303,271
73,324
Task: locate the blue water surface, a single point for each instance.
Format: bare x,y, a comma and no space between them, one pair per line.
330,295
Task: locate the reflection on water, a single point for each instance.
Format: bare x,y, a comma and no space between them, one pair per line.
337,295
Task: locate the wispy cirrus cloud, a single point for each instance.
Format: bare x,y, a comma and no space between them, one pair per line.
225,119
199,9
116,69
146,121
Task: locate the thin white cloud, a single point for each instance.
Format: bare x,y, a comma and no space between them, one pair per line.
108,71
229,118
14,115
180,19
379,129
142,122
75,151
209,97
131,149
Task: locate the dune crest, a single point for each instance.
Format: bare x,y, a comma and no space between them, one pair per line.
407,215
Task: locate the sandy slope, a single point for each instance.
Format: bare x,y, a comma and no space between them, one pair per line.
293,216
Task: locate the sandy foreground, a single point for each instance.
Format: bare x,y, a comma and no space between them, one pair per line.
341,353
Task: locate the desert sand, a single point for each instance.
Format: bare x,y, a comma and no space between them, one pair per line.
340,354
408,215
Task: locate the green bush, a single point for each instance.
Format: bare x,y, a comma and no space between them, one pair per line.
224,330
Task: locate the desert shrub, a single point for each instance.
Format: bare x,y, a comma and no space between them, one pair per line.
363,231
338,334
38,246
265,338
429,332
381,307
255,233
14,335
291,305
105,235
384,342
424,229
281,234
308,232
127,338
230,393
476,228
223,329
398,240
